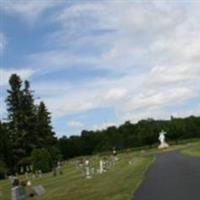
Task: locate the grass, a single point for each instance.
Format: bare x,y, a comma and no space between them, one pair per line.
119,183
193,150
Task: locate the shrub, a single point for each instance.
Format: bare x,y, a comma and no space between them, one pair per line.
41,160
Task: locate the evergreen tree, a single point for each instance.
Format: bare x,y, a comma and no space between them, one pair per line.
41,160
45,133
15,117
5,148
22,120
29,126
29,120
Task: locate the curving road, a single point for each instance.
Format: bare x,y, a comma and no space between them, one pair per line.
173,176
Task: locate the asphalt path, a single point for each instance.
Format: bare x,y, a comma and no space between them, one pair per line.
173,176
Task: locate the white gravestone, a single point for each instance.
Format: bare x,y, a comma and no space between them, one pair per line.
101,166
29,183
87,170
161,138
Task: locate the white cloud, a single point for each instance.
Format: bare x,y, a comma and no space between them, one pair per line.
154,44
75,124
159,99
28,10
54,60
152,48
103,126
2,42
6,73
2,107
115,94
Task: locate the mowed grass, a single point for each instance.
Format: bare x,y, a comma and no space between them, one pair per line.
194,150
118,183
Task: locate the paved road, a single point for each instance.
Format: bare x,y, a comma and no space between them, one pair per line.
173,176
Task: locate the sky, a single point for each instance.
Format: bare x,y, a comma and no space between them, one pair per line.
100,63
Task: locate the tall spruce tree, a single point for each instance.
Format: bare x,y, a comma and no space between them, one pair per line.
44,129
5,148
29,126
22,119
15,117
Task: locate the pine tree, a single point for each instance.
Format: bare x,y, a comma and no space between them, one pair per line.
5,148
44,129
29,126
22,119
14,108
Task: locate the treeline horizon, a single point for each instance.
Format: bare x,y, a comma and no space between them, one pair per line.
129,135
27,137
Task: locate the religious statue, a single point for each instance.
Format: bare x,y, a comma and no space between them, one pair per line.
161,138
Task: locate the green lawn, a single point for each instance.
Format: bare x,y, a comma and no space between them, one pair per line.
118,183
194,150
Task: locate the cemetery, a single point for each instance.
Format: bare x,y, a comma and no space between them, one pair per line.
99,100
100,178
121,168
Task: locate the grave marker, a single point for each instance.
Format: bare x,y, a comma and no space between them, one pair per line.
39,190
18,193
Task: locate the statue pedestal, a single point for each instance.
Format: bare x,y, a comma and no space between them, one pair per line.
163,146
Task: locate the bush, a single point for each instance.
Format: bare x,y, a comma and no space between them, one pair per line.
41,160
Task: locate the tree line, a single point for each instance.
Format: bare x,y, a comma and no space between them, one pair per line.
27,137
129,135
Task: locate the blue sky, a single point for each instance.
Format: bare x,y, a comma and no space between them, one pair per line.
99,63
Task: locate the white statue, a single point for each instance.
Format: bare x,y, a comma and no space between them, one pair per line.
163,143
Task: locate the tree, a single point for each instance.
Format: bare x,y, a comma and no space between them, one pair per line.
41,160
15,117
3,170
45,134
29,126
5,145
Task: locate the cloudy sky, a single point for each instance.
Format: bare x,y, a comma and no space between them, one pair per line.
97,63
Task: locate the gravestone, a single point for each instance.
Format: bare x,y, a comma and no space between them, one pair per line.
39,190
29,183
18,193
87,172
54,172
114,153
87,169
26,175
12,179
40,173
58,168
101,166
93,171
33,176
21,169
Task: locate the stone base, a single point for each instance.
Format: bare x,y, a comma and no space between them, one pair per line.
163,146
